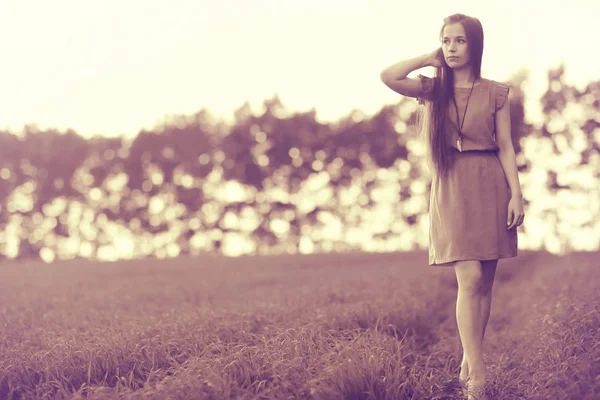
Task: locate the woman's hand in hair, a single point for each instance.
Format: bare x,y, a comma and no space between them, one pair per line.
436,58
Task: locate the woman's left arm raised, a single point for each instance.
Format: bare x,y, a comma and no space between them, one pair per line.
506,154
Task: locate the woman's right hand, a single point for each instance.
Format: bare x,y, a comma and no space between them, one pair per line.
436,58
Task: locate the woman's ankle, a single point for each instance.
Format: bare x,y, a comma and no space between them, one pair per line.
477,370
477,376
464,370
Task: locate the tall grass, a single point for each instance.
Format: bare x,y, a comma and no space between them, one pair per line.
337,326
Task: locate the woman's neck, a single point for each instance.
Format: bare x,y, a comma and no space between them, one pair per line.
463,77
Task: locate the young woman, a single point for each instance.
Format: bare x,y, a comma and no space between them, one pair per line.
476,202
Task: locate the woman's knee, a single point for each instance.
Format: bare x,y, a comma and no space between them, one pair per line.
470,277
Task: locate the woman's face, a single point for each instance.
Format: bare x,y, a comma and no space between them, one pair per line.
455,46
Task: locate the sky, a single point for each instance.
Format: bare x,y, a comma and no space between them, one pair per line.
115,67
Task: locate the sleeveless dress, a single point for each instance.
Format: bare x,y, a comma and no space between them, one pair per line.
468,209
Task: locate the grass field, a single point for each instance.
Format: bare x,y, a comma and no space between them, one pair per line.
346,326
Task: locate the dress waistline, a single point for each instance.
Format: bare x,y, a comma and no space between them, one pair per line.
476,151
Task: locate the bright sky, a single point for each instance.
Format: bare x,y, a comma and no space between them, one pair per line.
117,66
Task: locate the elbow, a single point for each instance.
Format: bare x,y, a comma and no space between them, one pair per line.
384,76
505,147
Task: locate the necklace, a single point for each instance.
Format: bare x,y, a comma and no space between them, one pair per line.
460,124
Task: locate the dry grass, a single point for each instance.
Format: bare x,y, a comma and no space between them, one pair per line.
348,326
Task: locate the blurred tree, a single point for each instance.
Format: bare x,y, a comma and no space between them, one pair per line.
274,147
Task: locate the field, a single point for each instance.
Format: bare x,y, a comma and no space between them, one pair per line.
336,326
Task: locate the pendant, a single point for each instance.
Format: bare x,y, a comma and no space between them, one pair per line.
459,144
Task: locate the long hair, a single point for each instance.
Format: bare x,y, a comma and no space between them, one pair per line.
436,111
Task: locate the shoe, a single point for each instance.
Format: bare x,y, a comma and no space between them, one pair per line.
475,392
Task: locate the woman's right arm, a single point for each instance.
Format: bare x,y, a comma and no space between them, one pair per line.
395,78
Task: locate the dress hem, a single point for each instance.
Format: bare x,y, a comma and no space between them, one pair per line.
445,262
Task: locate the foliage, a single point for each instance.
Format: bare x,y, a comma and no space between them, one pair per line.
177,178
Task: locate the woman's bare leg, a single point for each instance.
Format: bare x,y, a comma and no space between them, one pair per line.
489,273
470,277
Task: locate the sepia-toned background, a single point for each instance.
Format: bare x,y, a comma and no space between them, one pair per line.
143,143
147,128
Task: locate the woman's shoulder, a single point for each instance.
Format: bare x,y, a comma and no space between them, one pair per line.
498,91
494,84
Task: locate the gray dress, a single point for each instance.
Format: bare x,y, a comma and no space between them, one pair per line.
468,209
